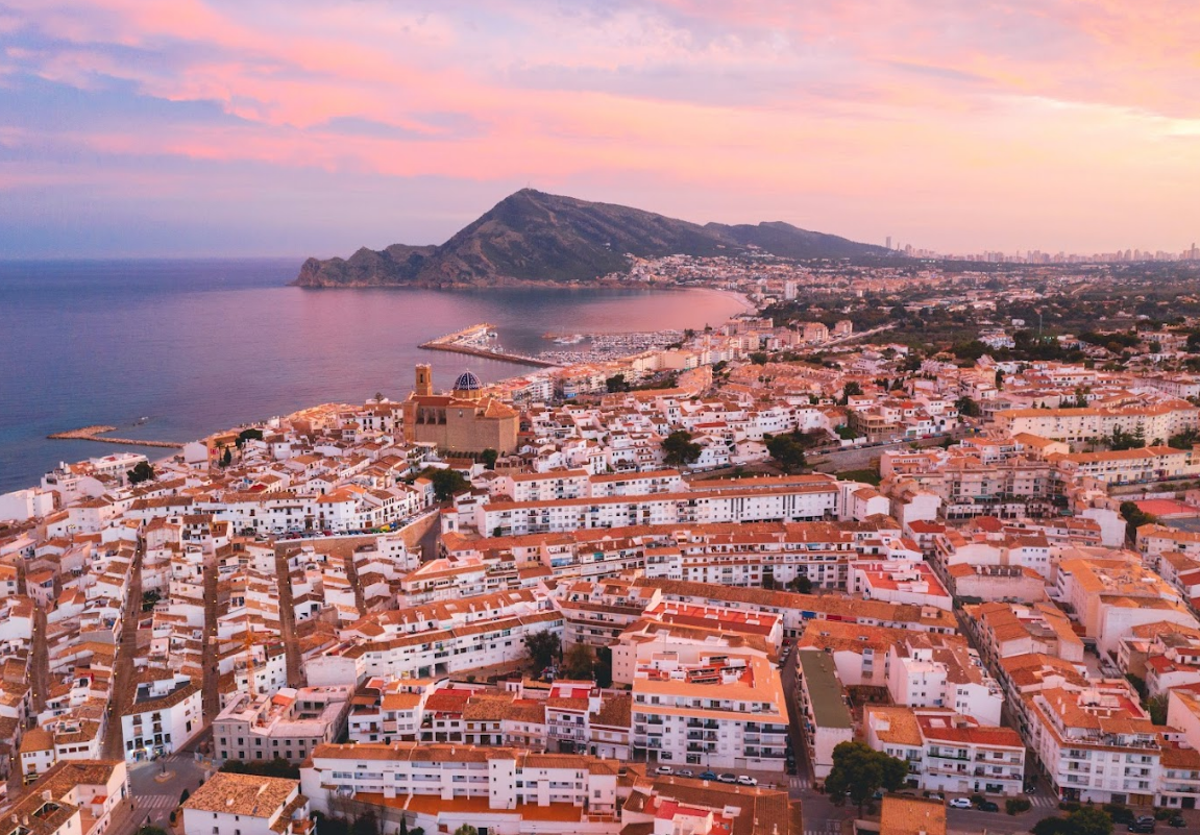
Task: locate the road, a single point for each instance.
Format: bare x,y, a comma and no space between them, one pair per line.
210,692
124,680
823,817
152,799
287,619
39,661
857,458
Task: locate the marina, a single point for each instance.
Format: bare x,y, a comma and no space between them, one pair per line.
478,341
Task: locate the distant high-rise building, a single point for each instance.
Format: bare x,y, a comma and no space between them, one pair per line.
889,241
789,290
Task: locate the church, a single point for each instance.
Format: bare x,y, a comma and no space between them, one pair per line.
461,421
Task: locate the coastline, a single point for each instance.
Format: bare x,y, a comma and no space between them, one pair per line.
742,301
741,298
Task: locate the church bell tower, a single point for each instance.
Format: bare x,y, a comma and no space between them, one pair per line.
424,387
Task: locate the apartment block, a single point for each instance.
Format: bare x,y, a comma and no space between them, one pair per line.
948,752
288,724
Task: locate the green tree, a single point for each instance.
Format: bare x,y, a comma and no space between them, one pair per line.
1089,821
1052,826
248,435
489,457
604,666
1124,440
1184,440
759,357
149,599
446,482
152,830
852,389
579,662
787,451
142,471
616,383
330,825
1157,708
801,584
365,824
544,649
679,449
859,771
1135,517
967,407
227,458
466,829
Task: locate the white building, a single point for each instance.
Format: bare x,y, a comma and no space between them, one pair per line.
287,725
164,716
441,787
825,718
726,712
948,752
245,804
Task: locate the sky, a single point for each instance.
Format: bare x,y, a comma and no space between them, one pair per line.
298,127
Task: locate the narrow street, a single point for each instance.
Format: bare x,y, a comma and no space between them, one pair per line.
352,578
210,695
39,662
287,619
124,681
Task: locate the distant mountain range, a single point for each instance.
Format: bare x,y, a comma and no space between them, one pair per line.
534,238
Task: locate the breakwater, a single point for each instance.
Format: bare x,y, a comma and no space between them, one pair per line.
475,341
95,433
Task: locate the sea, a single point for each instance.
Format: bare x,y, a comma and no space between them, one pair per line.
177,349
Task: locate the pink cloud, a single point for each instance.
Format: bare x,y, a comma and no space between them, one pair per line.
863,101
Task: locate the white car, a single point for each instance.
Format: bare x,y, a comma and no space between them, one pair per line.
663,769
746,780
960,803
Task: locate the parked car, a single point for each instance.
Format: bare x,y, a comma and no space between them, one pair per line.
1142,826
684,772
1178,822
988,806
960,803
708,775
727,777
936,796
791,768
663,769
746,780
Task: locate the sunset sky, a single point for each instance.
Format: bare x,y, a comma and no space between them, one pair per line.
297,127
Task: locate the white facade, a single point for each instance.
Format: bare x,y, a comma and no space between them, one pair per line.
164,716
446,786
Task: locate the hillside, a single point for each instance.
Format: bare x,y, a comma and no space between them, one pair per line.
532,237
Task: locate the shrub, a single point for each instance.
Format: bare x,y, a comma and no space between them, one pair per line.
1017,805
1069,806
1119,813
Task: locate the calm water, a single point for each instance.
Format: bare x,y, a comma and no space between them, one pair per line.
198,346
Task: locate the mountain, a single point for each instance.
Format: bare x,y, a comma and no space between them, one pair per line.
531,237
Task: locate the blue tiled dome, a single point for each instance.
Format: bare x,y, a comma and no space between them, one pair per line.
467,382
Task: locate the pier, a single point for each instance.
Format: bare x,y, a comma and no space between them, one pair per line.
473,341
95,433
